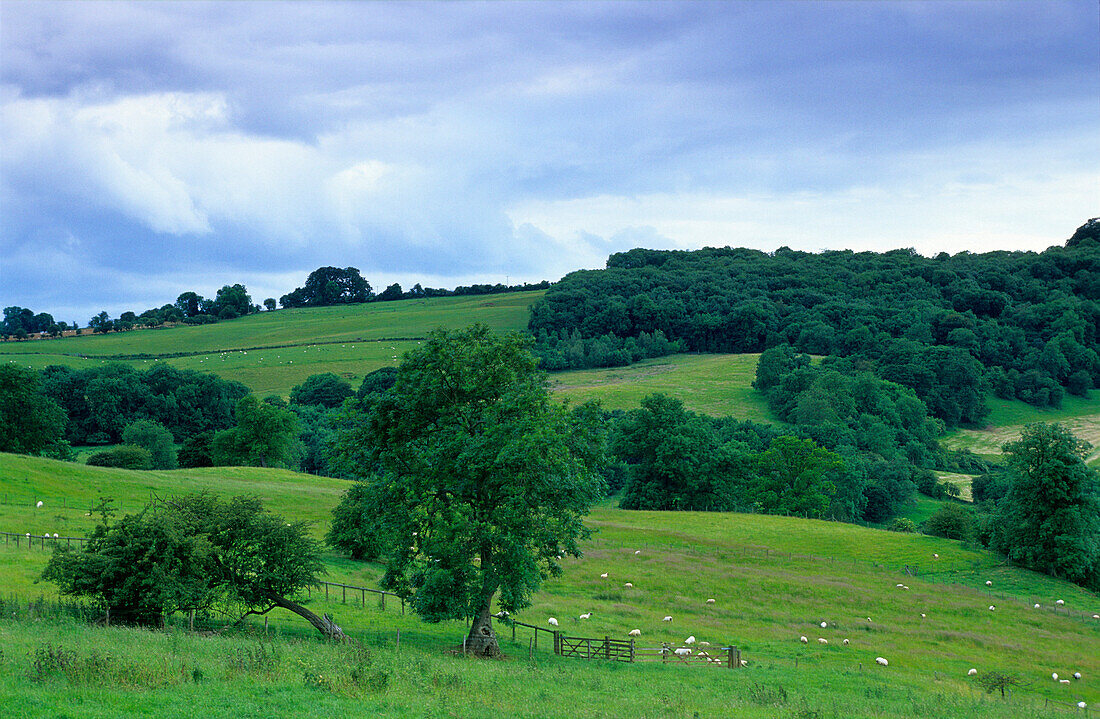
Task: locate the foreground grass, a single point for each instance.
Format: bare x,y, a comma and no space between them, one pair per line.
773,579
271,352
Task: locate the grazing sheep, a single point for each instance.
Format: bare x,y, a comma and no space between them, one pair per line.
935,556
1077,675
628,585
690,640
637,552
845,642
822,641
501,614
39,505
552,622
1036,606
1096,616
744,662
667,619
899,586
707,644
824,624
1063,681
882,661
683,652
603,576
1054,676
635,633
586,615
992,608
55,535
1081,705
804,640
923,615
988,583
971,672
710,601
1060,602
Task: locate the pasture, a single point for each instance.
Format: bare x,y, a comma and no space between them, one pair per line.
271,352
773,579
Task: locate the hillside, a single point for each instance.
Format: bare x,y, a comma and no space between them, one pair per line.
271,352
773,579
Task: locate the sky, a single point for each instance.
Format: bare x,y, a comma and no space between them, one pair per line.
153,148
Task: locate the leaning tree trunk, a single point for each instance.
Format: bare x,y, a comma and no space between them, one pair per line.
323,624
482,640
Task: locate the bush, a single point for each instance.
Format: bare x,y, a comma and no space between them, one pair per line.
902,524
951,521
152,436
125,456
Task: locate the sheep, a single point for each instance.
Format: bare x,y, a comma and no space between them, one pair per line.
923,615
552,622
39,505
1054,676
586,615
501,614
635,633
46,535
899,586
1063,681
845,642
682,652
1060,602
667,619
603,576
629,585
804,640
822,641
988,583
1077,675
710,601
1036,606
690,640
637,552
1081,705
935,556
1096,616
704,644
971,672
992,608
55,535
744,662
882,661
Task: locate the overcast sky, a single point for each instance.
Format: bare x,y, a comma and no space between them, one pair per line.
149,148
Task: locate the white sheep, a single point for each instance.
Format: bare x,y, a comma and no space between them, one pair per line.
1036,606
690,640
988,583
744,662
1096,616
822,641
39,505
667,619
628,585
923,615
1060,602
804,640
704,644
971,672
46,535
1054,676
603,576
1081,705
710,601
899,586
1063,681
882,661
586,615
683,652
935,556
992,608
824,624
637,552
635,632
552,622
55,535
1077,675
501,614
845,642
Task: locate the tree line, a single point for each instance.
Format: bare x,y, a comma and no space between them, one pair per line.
950,327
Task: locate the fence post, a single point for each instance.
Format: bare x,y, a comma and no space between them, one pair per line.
326,591
363,599
607,646
383,601
513,631
632,650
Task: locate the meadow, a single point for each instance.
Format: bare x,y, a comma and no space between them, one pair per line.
774,579
271,352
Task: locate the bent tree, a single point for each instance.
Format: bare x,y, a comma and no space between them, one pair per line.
194,552
482,482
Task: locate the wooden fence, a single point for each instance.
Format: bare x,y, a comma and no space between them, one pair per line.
33,541
363,591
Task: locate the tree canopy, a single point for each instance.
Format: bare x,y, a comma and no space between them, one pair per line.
30,422
1049,520
481,482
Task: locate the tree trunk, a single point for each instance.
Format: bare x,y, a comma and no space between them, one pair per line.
323,624
482,640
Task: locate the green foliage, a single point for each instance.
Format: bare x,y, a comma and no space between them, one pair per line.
902,524
197,451
125,456
1050,518
951,521
156,439
326,390
187,553
265,436
29,421
996,681
794,474
329,286
357,528
484,482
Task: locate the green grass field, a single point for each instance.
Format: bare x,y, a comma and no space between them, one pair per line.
271,352
773,578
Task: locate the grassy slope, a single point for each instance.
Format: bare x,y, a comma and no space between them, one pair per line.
349,340
767,595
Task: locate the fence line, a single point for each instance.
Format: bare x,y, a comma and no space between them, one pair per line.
363,591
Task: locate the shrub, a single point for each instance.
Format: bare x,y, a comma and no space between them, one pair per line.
951,521
902,524
124,456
